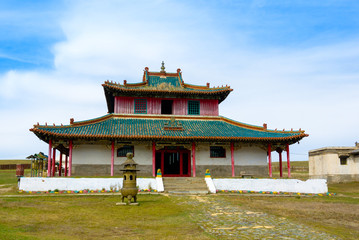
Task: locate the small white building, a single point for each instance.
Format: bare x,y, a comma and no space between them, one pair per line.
336,164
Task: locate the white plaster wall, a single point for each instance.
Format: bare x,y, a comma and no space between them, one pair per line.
250,156
101,154
329,164
316,165
355,164
91,154
244,156
77,184
203,156
143,154
279,185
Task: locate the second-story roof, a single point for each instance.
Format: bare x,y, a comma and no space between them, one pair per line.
162,84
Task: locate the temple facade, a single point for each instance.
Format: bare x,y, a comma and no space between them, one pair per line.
168,125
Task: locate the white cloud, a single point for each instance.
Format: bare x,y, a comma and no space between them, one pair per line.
314,88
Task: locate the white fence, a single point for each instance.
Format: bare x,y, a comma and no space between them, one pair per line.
77,184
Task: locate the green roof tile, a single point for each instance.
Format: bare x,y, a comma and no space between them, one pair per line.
117,126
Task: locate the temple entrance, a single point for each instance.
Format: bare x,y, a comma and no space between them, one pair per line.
174,162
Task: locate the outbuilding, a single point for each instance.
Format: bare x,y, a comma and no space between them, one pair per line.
336,164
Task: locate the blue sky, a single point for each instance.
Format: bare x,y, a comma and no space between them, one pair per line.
292,64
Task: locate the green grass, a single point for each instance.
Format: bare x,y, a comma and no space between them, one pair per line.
95,217
345,189
159,216
8,177
15,161
297,163
8,181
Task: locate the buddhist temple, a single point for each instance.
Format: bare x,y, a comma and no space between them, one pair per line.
169,125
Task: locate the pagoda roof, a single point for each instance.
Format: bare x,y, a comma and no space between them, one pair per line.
167,128
162,84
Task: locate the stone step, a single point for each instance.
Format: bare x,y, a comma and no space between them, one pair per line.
180,192
185,185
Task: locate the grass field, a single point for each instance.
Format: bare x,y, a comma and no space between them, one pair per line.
159,216
16,161
337,215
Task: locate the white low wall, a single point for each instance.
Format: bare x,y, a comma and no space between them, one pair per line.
77,184
273,185
314,186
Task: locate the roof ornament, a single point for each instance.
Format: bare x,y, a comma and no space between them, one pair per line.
163,67
172,124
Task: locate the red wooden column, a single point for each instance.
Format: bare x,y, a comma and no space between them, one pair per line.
60,164
288,159
194,158
53,162
70,157
279,150
112,157
232,158
49,159
270,159
153,159
66,161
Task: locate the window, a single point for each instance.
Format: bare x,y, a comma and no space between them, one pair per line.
122,151
193,107
217,152
166,106
140,106
343,160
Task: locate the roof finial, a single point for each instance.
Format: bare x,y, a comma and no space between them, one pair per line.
163,67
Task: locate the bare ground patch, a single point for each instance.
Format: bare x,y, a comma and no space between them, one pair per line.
340,218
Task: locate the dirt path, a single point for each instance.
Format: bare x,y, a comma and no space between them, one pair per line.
226,221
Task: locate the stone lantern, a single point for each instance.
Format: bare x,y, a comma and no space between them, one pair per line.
129,188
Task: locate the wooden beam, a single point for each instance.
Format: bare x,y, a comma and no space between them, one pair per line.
288,160
232,158
49,159
112,157
70,158
270,159
194,158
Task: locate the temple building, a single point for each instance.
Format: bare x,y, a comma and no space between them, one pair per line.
169,125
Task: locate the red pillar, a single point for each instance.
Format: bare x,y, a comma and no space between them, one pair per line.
53,162
279,150
270,159
70,157
232,158
112,157
60,164
288,160
66,161
153,159
194,158
49,159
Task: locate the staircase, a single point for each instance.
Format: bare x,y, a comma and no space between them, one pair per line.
185,185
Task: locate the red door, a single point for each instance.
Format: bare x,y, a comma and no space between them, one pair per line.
174,162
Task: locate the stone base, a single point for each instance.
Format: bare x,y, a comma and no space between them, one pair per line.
226,171
125,204
105,170
121,204
146,170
